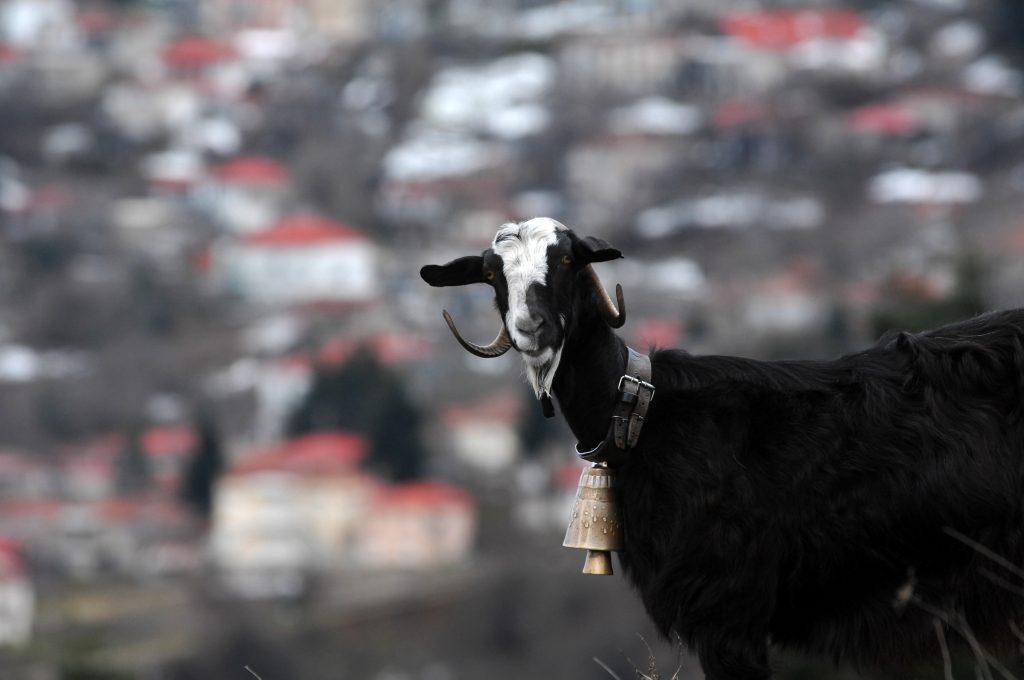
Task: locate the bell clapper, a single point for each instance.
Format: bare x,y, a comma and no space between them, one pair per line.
599,562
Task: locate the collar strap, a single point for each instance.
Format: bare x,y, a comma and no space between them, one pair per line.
635,395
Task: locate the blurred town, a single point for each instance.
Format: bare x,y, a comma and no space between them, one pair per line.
233,429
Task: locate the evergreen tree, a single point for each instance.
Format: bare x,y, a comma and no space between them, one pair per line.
133,471
909,311
204,468
365,397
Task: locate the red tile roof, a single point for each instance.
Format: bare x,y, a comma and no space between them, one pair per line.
150,510
105,446
397,348
567,476
96,21
738,112
168,440
785,29
119,509
502,407
388,347
11,563
196,52
884,119
256,171
313,454
45,508
657,333
421,495
19,463
304,230
8,53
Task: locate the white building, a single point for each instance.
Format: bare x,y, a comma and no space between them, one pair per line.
421,525
289,511
17,599
301,259
483,434
245,195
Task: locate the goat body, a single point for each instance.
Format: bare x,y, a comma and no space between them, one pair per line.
794,500
813,504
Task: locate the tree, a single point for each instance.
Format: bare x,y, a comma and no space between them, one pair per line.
204,468
133,472
365,397
908,310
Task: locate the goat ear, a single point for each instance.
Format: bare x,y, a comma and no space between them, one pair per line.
459,272
590,249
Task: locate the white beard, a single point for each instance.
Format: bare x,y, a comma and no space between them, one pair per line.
540,371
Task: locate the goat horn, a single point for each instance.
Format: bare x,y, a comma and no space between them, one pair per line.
498,346
613,315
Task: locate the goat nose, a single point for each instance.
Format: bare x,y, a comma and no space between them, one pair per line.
529,325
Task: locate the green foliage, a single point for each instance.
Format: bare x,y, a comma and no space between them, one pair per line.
77,658
367,398
909,310
204,468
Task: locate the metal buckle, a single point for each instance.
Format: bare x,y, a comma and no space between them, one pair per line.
640,384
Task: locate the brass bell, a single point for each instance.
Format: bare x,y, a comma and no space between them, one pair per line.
594,525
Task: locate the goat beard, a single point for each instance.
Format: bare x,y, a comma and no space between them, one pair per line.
541,375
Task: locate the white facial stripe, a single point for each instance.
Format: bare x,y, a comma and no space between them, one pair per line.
524,254
523,250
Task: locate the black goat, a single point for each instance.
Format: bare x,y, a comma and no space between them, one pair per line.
787,501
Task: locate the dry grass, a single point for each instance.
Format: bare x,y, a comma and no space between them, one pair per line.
650,671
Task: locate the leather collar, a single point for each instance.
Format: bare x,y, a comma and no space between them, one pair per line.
635,395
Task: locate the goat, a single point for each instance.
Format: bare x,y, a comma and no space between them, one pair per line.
799,503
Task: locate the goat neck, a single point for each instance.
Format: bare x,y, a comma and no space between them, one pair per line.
593,360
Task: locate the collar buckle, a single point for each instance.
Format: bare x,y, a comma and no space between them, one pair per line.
635,395
636,383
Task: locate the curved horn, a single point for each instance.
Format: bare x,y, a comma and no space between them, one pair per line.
498,346
613,315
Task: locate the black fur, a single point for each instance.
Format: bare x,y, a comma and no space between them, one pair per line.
458,272
793,500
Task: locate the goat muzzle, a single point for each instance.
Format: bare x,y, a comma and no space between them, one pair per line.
501,344
614,315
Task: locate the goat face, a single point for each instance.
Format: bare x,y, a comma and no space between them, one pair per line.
536,269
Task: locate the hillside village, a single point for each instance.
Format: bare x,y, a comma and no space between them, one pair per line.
220,374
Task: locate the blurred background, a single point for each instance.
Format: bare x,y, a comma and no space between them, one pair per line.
233,429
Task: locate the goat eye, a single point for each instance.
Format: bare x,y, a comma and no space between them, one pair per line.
489,275
566,260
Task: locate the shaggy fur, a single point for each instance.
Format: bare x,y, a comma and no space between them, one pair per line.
791,501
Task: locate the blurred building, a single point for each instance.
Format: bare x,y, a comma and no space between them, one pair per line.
422,525
483,433
287,512
303,508
17,598
246,194
301,259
